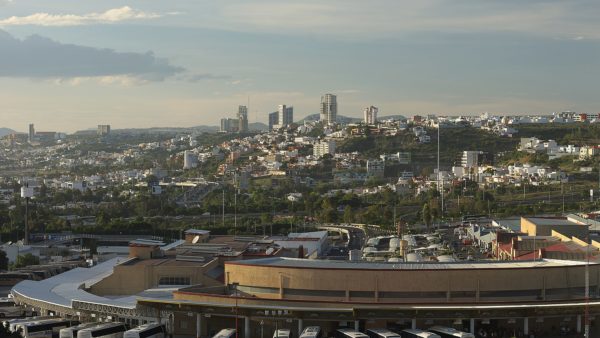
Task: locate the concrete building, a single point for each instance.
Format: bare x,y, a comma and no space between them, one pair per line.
31,134
197,296
324,147
242,117
545,226
473,159
273,120
190,160
285,115
229,125
103,129
328,109
375,168
370,115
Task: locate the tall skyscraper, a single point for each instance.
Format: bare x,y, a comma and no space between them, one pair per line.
371,115
328,108
273,120
286,115
31,135
242,119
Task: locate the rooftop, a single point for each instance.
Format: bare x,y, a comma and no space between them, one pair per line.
68,287
552,221
285,262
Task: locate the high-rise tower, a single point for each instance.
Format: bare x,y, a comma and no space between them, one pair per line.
328,109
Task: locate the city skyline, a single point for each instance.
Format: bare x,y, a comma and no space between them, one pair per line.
140,64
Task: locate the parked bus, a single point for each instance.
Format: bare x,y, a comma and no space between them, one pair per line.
414,333
381,333
12,323
47,328
8,308
348,333
448,332
225,333
71,332
311,332
282,333
150,330
106,330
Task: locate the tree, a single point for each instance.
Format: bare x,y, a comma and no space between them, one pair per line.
26,260
348,214
426,215
3,262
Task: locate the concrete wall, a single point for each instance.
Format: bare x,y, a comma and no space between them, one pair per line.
133,279
447,285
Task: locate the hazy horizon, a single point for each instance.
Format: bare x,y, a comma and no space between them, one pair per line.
71,65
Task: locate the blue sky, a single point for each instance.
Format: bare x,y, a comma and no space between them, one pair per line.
69,65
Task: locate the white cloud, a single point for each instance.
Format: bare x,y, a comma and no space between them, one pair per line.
118,80
114,15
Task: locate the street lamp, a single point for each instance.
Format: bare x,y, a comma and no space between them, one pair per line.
27,194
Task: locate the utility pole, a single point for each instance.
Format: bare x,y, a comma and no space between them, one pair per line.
587,291
235,215
27,193
441,188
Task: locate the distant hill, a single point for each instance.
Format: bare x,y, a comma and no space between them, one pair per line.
6,131
392,117
346,119
258,126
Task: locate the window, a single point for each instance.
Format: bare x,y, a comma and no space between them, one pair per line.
170,280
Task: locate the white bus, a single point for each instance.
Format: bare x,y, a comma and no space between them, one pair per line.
448,332
106,330
348,333
46,328
8,308
150,330
414,333
381,333
282,333
225,333
311,332
71,332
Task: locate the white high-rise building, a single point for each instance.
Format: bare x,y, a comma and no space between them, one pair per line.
371,115
324,147
328,109
242,119
190,160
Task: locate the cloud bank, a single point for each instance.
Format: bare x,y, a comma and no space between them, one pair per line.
114,15
43,58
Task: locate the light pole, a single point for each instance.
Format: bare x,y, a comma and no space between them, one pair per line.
587,291
27,194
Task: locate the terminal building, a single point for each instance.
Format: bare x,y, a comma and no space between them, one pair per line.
205,283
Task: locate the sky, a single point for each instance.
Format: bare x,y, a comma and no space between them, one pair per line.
69,65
